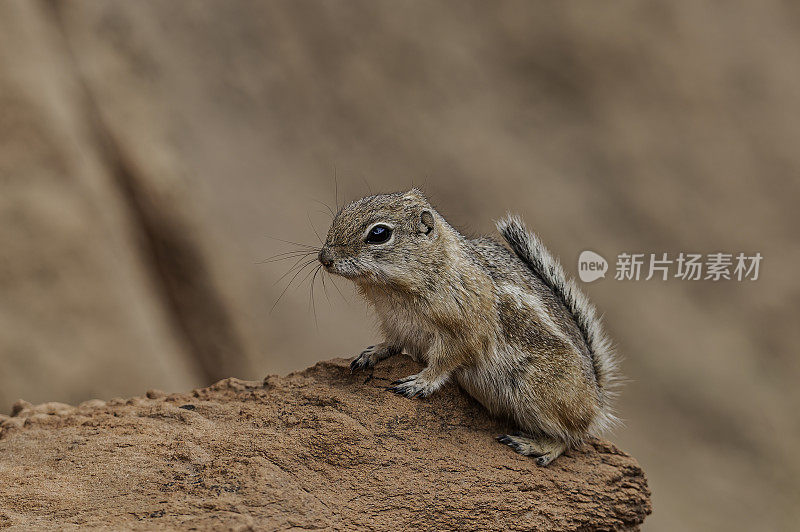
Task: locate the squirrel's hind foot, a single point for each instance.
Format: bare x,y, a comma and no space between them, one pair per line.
543,448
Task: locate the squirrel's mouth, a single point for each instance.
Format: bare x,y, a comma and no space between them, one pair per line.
336,264
342,269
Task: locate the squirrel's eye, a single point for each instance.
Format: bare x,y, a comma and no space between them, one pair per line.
379,234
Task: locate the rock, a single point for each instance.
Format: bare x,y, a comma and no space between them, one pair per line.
321,448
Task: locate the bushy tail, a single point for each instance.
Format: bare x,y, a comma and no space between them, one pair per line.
530,249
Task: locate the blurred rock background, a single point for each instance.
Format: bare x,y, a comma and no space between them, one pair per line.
151,153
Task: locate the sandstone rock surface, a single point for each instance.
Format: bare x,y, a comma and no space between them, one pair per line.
322,448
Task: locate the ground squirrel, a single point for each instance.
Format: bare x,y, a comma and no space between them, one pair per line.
507,325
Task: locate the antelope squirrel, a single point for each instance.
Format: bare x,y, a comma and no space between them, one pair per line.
507,325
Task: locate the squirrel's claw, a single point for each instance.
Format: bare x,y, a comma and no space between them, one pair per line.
413,386
407,392
543,448
364,360
356,363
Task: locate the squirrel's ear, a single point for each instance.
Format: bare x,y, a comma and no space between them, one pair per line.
426,224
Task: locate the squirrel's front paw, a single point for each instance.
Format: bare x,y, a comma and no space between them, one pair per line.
372,355
364,360
416,386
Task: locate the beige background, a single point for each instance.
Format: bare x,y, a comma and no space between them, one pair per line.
152,152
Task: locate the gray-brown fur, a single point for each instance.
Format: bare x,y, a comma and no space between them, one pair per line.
506,325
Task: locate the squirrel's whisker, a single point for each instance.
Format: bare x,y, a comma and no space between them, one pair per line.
313,301
290,242
286,256
333,214
314,228
308,261
304,278
364,178
299,271
336,286
324,287
336,189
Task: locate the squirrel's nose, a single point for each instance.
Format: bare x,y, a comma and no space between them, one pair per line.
326,257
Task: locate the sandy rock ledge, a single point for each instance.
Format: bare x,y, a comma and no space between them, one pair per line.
319,448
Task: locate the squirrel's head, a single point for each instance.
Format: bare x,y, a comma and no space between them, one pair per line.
383,239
